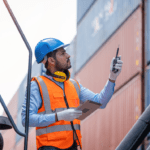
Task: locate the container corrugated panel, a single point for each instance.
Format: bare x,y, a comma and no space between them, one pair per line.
105,128
71,50
31,141
147,30
102,20
147,86
19,126
20,145
82,8
12,106
9,138
129,38
147,98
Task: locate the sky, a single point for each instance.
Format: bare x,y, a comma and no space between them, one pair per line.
38,19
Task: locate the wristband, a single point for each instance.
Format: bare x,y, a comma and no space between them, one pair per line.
111,80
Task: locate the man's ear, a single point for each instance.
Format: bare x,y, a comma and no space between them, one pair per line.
51,60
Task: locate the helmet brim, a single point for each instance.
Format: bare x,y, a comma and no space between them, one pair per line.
62,46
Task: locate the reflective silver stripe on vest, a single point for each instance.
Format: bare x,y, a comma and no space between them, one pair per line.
46,97
56,128
57,110
76,86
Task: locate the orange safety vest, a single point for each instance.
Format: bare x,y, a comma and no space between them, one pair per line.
60,133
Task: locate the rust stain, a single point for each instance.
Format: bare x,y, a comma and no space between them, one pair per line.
137,117
137,62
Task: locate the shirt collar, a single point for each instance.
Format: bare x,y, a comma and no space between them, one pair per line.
50,77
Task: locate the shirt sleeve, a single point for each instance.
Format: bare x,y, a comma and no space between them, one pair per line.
103,97
36,120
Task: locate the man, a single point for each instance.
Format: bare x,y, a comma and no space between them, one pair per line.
54,97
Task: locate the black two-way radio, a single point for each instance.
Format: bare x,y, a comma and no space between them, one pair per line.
115,61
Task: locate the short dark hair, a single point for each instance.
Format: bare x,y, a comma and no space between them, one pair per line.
50,54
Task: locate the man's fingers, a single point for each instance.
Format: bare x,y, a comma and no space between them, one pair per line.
119,68
119,62
118,65
78,112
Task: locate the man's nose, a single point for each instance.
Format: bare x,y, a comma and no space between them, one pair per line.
68,56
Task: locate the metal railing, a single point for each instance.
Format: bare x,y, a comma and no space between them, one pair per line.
28,82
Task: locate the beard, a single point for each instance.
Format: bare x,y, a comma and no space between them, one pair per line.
61,67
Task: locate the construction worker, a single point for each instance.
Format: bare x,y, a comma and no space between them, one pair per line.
54,97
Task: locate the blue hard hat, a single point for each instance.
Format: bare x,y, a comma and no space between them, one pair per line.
47,45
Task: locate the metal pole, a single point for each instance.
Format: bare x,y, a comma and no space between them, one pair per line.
29,72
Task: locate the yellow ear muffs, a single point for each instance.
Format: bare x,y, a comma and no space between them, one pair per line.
61,76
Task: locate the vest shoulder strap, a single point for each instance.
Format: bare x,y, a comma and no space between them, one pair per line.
44,93
76,85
